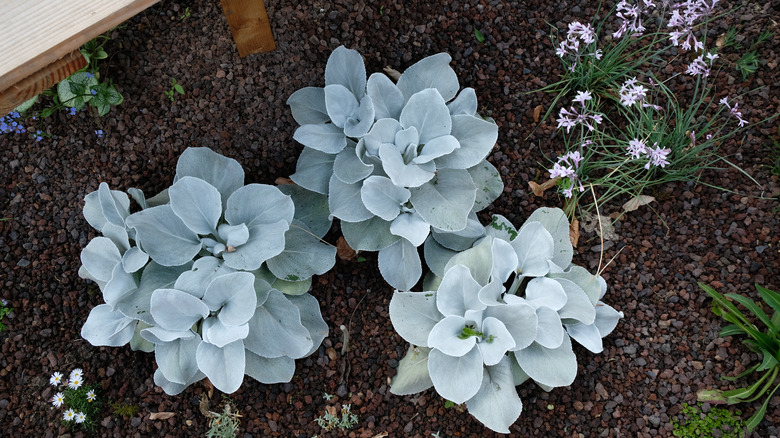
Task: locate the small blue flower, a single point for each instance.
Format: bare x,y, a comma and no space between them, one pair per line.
15,115
94,92
89,75
73,111
99,133
38,136
4,302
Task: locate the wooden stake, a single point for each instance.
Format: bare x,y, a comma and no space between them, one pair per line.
249,25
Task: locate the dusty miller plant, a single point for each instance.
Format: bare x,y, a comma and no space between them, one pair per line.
398,161
503,312
211,274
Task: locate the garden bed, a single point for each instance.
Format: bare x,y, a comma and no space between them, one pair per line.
663,351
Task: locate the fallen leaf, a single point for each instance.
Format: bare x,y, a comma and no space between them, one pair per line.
283,181
590,223
209,387
537,113
574,232
393,73
344,251
637,201
161,415
539,189
380,435
331,410
719,41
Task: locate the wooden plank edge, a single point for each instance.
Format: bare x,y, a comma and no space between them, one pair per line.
74,43
41,80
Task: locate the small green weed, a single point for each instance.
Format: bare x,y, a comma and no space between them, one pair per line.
4,310
479,36
747,64
124,410
696,424
224,425
175,88
331,420
186,14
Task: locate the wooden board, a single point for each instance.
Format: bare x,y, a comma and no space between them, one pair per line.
36,33
41,80
249,25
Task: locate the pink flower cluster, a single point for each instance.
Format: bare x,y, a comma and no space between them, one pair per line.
571,117
656,156
734,111
700,67
578,36
631,92
683,21
566,167
631,14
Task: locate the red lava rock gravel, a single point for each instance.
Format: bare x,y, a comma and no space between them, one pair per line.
663,351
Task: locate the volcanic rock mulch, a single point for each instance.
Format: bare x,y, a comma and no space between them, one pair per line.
664,350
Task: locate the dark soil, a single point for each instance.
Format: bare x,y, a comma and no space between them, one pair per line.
660,355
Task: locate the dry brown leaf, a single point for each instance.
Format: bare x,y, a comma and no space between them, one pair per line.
380,435
331,410
590,222
392,73
283,181
161,415
719,41
344,251
539,189
537,113
574,232
209,387
637,201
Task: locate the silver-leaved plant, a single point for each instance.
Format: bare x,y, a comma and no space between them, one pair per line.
398,161
504,311
211,274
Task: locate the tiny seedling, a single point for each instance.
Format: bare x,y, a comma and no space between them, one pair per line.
696,424
175,88
332,421
186,14
125,410
479,36
4,309
327,396
749,62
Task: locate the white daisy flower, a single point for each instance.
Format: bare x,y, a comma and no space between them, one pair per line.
58,399
68,415
55,378
75,382
81,417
